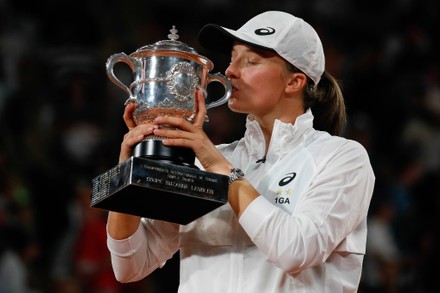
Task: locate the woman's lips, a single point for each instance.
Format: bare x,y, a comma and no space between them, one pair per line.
234,87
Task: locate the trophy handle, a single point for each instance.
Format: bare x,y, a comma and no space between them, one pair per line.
218,77
135,66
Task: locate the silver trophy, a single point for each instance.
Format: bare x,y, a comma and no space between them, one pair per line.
166,76
158,181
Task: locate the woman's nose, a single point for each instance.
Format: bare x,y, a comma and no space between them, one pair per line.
230,71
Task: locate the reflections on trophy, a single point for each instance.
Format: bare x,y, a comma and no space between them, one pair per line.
166,76
158,180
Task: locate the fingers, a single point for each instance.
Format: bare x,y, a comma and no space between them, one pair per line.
177,130
134,136
137,134
169,123
181,138
128,115
200,107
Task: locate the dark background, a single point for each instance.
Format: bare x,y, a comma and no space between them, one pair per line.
61,125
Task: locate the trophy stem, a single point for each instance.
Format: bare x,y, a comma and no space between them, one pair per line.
154,149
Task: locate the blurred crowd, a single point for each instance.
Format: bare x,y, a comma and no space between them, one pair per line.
61,125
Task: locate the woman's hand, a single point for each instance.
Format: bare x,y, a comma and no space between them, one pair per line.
135,134
191,135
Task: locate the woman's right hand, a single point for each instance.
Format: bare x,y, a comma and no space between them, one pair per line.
135,134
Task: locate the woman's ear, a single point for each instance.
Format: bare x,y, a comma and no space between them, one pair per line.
296,82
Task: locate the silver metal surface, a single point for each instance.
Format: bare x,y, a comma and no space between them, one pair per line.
166,75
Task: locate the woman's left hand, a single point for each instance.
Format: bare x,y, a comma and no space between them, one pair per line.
192,135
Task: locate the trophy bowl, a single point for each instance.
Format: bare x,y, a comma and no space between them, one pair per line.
166,76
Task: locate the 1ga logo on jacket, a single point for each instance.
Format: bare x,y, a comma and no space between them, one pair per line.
288,179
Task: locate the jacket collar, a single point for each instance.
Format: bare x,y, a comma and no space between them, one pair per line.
285,136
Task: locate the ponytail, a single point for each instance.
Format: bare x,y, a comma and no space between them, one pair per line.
327,104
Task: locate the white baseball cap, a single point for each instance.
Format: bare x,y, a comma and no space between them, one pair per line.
289,36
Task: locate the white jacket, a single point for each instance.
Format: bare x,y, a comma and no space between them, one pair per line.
305,233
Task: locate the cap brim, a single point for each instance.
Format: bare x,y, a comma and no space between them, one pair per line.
219,39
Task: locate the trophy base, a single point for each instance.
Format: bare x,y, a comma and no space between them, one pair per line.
154,149
159,190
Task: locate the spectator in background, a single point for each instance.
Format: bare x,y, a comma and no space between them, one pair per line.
82,261
18,251
382,262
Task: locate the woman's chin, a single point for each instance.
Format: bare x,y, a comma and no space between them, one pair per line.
232,103
234,107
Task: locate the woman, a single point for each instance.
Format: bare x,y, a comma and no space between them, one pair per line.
296,220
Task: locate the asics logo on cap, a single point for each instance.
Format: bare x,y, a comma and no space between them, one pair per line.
265,31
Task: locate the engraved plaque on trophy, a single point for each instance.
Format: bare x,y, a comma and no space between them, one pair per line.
158,181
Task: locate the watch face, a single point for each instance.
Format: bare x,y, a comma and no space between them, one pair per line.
236,174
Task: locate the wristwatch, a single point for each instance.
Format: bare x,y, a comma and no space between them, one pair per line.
236,174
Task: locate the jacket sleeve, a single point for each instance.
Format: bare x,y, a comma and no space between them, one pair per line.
330,214
153,243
